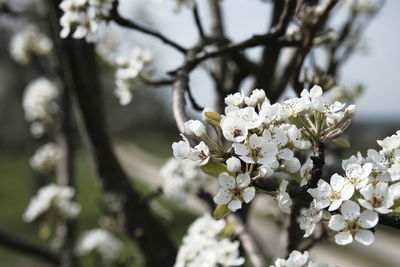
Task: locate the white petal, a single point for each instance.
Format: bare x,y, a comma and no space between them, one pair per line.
241,149
365,237
350,210
368,219
381,189
233,164
248,194
368,192
226,180
234,205
223,196
337,223
347,192
335,205
243,180
365,204
343,238
337,182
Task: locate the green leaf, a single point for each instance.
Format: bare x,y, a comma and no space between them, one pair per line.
340,142
214,168
221,211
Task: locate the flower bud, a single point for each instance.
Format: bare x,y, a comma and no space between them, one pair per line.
233,164
195,128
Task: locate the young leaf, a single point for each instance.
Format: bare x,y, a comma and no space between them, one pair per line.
221,211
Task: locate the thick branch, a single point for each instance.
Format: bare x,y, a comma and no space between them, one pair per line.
27,247
77,60
115,16
179,88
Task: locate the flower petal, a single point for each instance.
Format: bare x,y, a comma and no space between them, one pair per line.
350,210
343,238
243,180
223,196
337,223
248,194
235,204
226,180
365,237
368,219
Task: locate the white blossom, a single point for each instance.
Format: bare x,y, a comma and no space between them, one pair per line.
39,103
308,218
181,179
332,194
234,99
357,175
378,197
82,17
205,245
353,224
52,198
28,43
298,259
234,129
129,73
181,149
234,191
100,241
284,200
233,164
256,150
200,154
195,128
257,96
46,158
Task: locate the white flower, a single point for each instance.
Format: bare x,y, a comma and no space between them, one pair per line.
332,194
257,96
298,259
200,154
357,175
101,242
54,198
377,198
247,114
352,160
128,73
205,245
28,43
308,218
181,179
83,17
257,150
295,137
233,164
195,128
181,149
351,224
390,143
284,200
46,158
234,99
234,129
313,98
39,102
234,191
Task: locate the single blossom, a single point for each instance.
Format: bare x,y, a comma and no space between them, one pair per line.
200,154
256,150
181,149
234,191
378,197
351,224
308,218
195,128
332,194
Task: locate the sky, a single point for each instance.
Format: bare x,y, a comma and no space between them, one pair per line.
378,68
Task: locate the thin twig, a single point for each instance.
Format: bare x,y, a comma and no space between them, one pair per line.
193,101
197,20
115,16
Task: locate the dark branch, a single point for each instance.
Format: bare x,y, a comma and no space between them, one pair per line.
27,247
197,20
115,16
318,159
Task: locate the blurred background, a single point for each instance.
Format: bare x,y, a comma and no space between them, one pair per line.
143,135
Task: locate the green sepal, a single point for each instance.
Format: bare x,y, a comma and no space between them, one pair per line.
296,121
214,168
396,206
213,116
221,211
340,142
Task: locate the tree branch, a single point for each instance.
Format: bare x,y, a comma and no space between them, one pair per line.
115,16
197,21
10,241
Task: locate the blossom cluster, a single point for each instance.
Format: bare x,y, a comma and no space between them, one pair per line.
205,244
46,158
40,104
52,200
369,187
82,17
130,73
101,242
298,259
181,179
260,139
29,43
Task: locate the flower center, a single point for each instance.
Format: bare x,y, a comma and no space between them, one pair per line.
334,195
202,155
352,227
237,133
377,202
255,153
